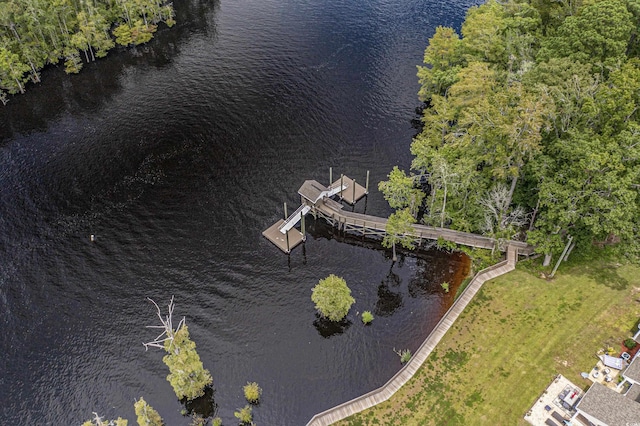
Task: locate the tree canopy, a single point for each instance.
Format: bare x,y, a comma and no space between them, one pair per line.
34,33
531,127
332,298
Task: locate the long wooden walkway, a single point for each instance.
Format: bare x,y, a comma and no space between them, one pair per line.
363,224
385,392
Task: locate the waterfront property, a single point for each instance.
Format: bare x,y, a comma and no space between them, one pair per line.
612,400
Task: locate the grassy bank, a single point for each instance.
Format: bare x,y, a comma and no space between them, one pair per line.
514,337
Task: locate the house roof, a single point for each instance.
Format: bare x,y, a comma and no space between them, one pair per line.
633,370
608,406
633,393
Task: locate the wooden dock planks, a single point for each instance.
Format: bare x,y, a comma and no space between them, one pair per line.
285,242
354,190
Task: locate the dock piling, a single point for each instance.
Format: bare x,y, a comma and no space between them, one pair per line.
366,187
330,175
304,235
285,211
341,184
354,192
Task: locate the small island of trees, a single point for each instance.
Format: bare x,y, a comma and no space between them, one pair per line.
530,127
36,33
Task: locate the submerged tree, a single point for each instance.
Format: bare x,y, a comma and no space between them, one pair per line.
332,298
97,421
147,416
187,375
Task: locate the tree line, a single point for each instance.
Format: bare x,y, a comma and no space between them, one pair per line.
34,33
530,129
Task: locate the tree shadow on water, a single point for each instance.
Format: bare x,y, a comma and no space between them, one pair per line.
388,301
204,406
327,328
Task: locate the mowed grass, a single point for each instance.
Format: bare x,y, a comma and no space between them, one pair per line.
517,334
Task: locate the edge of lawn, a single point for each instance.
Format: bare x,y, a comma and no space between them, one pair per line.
515,336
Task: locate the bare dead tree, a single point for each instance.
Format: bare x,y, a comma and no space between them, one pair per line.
168,332
500,220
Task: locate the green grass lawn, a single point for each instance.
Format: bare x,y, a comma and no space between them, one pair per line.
517,334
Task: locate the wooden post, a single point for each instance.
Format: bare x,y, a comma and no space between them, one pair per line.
366,188
304,235
354,191
285,211
288,249
330,175
341,180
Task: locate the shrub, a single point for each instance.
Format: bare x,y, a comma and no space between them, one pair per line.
147,416
367,317
445,286
252,392
332,298
405,355
244,415
216,422
187,375
198,420
446,245
630,343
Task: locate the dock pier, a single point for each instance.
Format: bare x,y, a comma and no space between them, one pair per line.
325,202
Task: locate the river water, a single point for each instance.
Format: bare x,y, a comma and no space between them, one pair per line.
176,156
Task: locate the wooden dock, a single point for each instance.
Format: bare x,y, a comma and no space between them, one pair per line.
321,204
363,224
385,392
285,242
353,192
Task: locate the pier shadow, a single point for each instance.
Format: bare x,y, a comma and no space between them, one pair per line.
319,229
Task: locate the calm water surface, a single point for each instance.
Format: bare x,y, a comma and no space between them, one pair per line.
177,155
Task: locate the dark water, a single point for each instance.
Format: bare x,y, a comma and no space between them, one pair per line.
177,155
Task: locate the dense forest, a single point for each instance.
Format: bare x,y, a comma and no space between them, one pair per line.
34,33
530,129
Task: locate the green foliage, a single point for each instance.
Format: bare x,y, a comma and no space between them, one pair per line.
36,33
252,392
399,230
405,355
147,416
367,317
531,125
217,421
332,298
630,343
598,35
445,286
399,191
443,54
244,415
446,245
187,375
